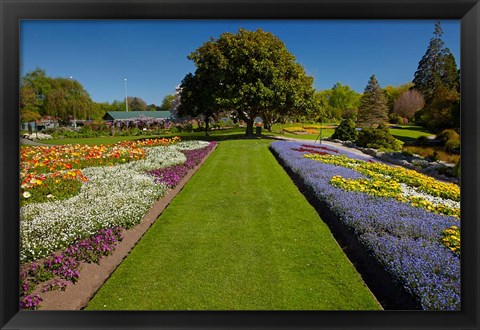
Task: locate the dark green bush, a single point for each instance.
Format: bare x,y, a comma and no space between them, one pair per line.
448,135
453,146
378,138
456,169
407,153
421,140
395,118
345,131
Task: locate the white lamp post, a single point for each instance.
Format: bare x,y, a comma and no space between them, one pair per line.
126,95
74,119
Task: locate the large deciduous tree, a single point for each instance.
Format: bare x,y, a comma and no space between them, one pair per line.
408,103
196,99
34,87
373,105
392,93
251,72
167,103
58,97
136,104
67,98
343,97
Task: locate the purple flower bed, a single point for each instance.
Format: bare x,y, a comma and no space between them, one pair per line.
172,175
404,239
61,270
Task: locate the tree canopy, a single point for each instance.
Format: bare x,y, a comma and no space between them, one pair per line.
343,97
167,103
251,72
408,103
438,79
392,93
136,104
58,97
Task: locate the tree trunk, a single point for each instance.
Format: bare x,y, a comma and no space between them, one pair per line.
249,131
206,126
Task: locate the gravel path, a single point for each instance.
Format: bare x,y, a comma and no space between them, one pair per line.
31,143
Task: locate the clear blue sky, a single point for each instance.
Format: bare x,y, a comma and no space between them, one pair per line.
152,54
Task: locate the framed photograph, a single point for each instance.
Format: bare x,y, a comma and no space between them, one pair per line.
352,243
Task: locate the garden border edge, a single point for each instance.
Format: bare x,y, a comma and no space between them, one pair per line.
390,294
93,276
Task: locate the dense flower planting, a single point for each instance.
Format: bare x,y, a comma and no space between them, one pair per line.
410,241
115,196
54,172
172,175
386,181
60,270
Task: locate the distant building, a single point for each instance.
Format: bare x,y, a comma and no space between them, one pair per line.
41,124
123,115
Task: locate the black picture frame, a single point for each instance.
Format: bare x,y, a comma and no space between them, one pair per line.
12,11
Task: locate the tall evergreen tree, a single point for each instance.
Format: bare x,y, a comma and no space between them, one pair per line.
428,75
436,68
373,105
450,75
438,79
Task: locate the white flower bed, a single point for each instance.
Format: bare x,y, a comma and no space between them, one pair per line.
190,145
114,196
408,191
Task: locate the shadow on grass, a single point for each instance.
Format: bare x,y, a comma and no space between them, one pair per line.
406,139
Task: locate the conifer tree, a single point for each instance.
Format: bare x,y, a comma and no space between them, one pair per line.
373,105
438,79
450,73
428,74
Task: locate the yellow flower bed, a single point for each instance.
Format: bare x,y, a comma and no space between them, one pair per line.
294,130
373,187
451,238
385,182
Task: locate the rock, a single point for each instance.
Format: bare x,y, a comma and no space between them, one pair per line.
370,151
37,136
420,162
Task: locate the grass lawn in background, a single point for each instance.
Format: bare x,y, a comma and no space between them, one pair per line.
409,133
277,130
214,135
239,236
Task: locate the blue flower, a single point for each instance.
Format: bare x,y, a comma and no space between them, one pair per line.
403,238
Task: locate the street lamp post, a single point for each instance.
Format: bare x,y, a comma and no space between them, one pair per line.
126,95
74,115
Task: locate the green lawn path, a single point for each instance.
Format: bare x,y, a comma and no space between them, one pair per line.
239,236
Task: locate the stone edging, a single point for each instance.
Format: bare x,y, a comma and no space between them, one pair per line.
93,276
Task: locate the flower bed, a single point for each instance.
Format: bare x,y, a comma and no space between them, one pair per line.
113,197
417,244
172,175
54,172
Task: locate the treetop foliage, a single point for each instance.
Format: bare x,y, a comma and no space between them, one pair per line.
436,68
438,79
373,105
251,72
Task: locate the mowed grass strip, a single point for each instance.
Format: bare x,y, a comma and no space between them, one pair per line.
239,236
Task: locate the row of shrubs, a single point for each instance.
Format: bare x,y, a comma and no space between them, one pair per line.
377,138
381,138
97,131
